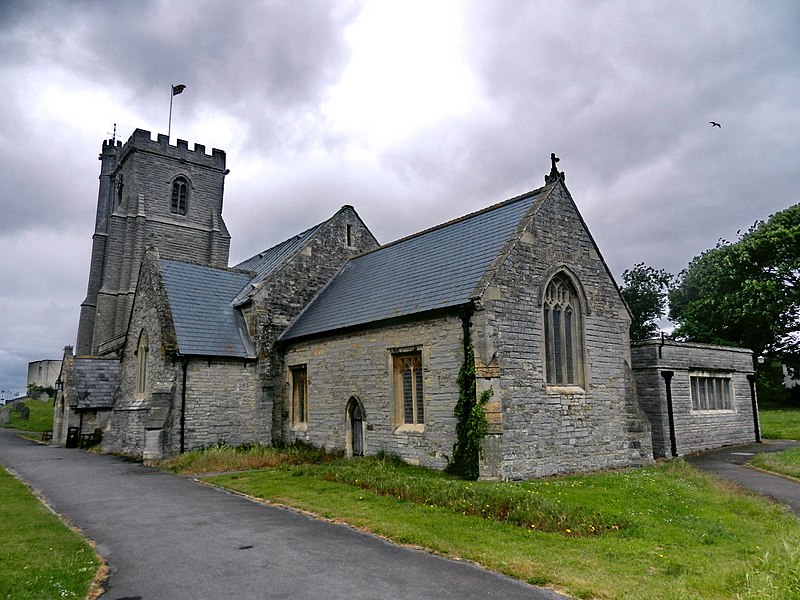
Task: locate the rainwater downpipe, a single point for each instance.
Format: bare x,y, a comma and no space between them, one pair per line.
673,444
466,317
183,403
752,380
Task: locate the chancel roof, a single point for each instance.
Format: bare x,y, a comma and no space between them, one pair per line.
434,269
201,302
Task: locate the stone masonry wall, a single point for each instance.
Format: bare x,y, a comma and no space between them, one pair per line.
695,430
221,404
537,429
150,314
280,299
360,364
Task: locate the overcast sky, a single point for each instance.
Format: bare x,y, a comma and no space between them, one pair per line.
413,112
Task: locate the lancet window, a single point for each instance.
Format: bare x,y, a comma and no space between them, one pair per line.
563,333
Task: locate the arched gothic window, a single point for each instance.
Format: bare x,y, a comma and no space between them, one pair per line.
141,364
563,333
180,194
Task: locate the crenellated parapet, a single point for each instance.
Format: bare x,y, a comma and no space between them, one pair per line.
141,141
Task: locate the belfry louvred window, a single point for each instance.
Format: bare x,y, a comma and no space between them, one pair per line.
180,192
563,333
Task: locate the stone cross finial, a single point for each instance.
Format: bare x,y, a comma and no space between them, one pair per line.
555,174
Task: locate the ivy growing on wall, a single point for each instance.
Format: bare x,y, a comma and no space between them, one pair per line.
471,426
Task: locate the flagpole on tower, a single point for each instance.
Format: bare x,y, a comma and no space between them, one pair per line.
176,89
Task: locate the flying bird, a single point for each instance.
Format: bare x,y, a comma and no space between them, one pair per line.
715,124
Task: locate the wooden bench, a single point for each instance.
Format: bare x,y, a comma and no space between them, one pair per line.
47,436
90,439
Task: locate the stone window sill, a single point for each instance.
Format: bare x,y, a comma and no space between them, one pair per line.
409,428
566,390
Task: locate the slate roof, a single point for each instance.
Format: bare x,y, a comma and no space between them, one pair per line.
200,298
96,380
267,262
434,269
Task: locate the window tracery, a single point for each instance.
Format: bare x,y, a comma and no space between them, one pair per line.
563,333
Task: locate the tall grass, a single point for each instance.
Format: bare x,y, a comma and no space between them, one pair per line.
221,458
505,502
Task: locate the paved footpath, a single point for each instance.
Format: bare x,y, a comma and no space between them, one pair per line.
168,537
730,464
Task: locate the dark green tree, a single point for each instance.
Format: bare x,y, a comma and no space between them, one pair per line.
746,293
645,291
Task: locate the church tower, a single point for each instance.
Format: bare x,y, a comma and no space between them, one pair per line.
151,193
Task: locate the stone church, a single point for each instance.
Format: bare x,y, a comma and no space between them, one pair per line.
332,339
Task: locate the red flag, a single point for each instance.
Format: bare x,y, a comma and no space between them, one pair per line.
177,89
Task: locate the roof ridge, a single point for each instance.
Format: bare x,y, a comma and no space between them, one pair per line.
282,242
195,263
454,221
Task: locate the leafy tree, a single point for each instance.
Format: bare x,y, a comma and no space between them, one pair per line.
35,391
645,290
746,293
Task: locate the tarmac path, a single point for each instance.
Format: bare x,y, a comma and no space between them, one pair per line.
729,464
168,537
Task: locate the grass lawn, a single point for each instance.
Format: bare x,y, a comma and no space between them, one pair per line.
785,463
780,423
40,557
40,418
660,532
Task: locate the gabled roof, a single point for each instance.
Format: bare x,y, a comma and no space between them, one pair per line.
200,299
434,269
267,262
96,380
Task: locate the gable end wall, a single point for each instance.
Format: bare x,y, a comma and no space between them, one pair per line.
540,430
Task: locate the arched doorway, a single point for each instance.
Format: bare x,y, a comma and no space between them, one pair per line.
355,429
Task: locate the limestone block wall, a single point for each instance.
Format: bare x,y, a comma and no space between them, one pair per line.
280,298
695,430
539,429
150,314
221,404
360,364
125,434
